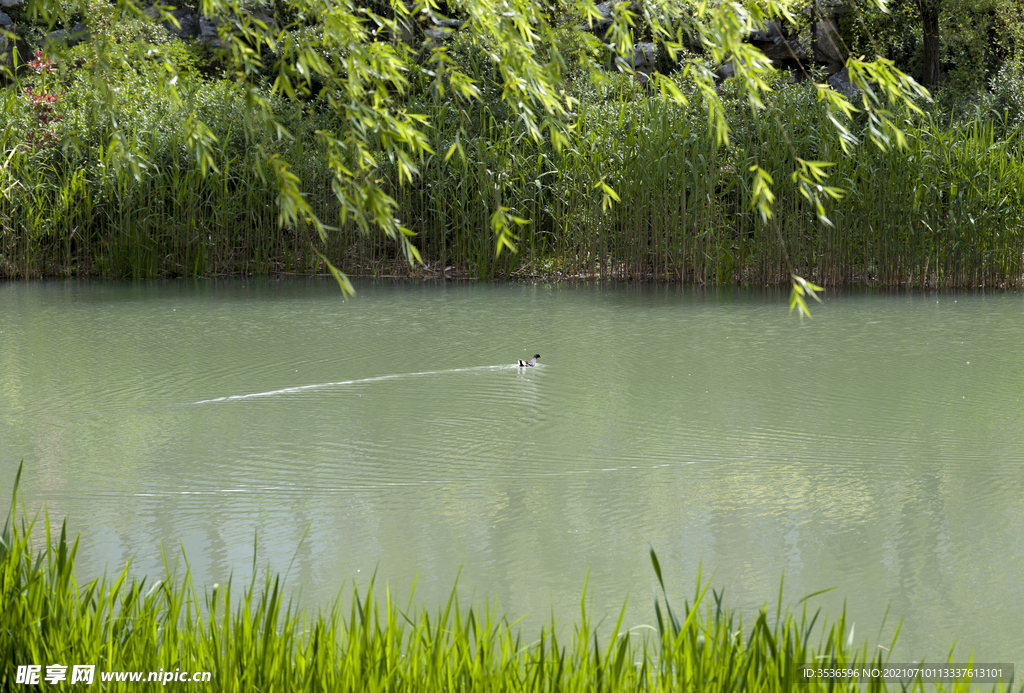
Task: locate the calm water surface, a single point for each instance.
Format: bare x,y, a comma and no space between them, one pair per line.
878,448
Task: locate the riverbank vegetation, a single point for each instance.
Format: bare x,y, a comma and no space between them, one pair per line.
258,639
137,154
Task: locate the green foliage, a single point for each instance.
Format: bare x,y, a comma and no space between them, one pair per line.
801,288
1005,98
643,191
894,33
502,151
61,14
366,68
142,181
977,37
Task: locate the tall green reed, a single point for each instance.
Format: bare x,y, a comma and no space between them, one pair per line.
947,211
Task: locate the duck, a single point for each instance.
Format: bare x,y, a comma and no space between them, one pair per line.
529,364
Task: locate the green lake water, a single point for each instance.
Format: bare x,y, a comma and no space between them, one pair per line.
878,448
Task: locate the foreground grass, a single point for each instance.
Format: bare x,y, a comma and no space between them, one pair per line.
256,641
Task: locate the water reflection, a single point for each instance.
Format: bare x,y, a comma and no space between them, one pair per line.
876,448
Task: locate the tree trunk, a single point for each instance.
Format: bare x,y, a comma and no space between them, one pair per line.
931,59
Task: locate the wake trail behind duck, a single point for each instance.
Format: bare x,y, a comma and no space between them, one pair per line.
341,383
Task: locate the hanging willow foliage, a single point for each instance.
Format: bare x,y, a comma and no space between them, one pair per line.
355,60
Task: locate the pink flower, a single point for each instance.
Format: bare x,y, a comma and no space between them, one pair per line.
41,64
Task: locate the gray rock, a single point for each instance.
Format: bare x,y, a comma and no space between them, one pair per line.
265,15
785,49
840,81
644,58
607,11
11,3
827,8
446,23
438,35
827,42
725,71
768,33
8,47
208,32
5,20
188,24
776,44
77,34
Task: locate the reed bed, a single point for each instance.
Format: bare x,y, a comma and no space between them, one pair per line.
947,211
256,638
153,196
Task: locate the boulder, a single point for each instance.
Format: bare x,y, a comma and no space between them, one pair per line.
77,34
5,21
784,49
826,8
777,44
446,23
264,14
607,12
644,58
768,33
208,32
827,43
11,3
188,23
840,81
7,49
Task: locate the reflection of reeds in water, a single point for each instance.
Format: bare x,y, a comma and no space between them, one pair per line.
260,640
945,211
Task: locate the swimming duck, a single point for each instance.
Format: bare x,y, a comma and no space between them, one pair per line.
529,364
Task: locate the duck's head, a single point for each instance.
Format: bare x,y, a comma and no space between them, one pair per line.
536,356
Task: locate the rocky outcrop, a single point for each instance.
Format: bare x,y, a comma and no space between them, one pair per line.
77,34
208,32
441,29
643,58
825,39
778,45
840,81
774,39
188,23
607,12
437,36
822,45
